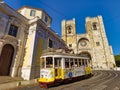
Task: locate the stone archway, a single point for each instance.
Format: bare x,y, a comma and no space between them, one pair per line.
6,59
86,54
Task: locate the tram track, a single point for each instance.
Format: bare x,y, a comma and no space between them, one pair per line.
102,85
97,82
93,83
101,77
96,75
116,83
101,80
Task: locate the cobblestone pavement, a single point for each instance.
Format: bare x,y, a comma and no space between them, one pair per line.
5,79
101,80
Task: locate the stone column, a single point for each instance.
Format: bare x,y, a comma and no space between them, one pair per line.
15,67
1,45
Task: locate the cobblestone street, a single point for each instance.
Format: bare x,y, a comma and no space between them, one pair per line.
102,80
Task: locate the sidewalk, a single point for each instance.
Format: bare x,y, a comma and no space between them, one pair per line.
7,82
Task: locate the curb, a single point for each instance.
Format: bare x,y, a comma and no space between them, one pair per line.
16,84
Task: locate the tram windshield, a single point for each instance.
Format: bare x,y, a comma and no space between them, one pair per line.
46,62
49,62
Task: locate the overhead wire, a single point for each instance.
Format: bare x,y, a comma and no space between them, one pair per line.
62,14
81,18
55,10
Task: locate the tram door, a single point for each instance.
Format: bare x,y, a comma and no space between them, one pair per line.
57,68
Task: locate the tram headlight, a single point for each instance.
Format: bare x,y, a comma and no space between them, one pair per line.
41,76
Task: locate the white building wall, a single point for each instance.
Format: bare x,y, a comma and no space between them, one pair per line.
9,16
28,59
3,22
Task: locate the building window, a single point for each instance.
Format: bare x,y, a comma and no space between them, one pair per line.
70,45
13,30
97,43
94,26
50,43
69,29
46,19
32,13
83,43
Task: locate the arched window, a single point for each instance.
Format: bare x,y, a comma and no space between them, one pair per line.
94,26
69,29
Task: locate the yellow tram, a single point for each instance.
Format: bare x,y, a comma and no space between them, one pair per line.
61,67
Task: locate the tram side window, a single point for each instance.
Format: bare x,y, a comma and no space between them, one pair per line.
76,63
86,63
83,62
80,62
42,63
66,63
49,62
57,62
71,62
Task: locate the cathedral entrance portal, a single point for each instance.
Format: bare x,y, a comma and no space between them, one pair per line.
86,54
6,59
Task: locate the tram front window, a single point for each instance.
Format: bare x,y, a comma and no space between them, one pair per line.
42,63
49,62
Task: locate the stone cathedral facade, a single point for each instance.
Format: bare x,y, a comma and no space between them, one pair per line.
93,44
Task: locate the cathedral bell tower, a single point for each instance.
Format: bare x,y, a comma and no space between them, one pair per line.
101,50
69,33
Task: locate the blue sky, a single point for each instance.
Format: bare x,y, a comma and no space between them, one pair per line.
80,9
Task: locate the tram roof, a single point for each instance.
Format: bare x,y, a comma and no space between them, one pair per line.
58,54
